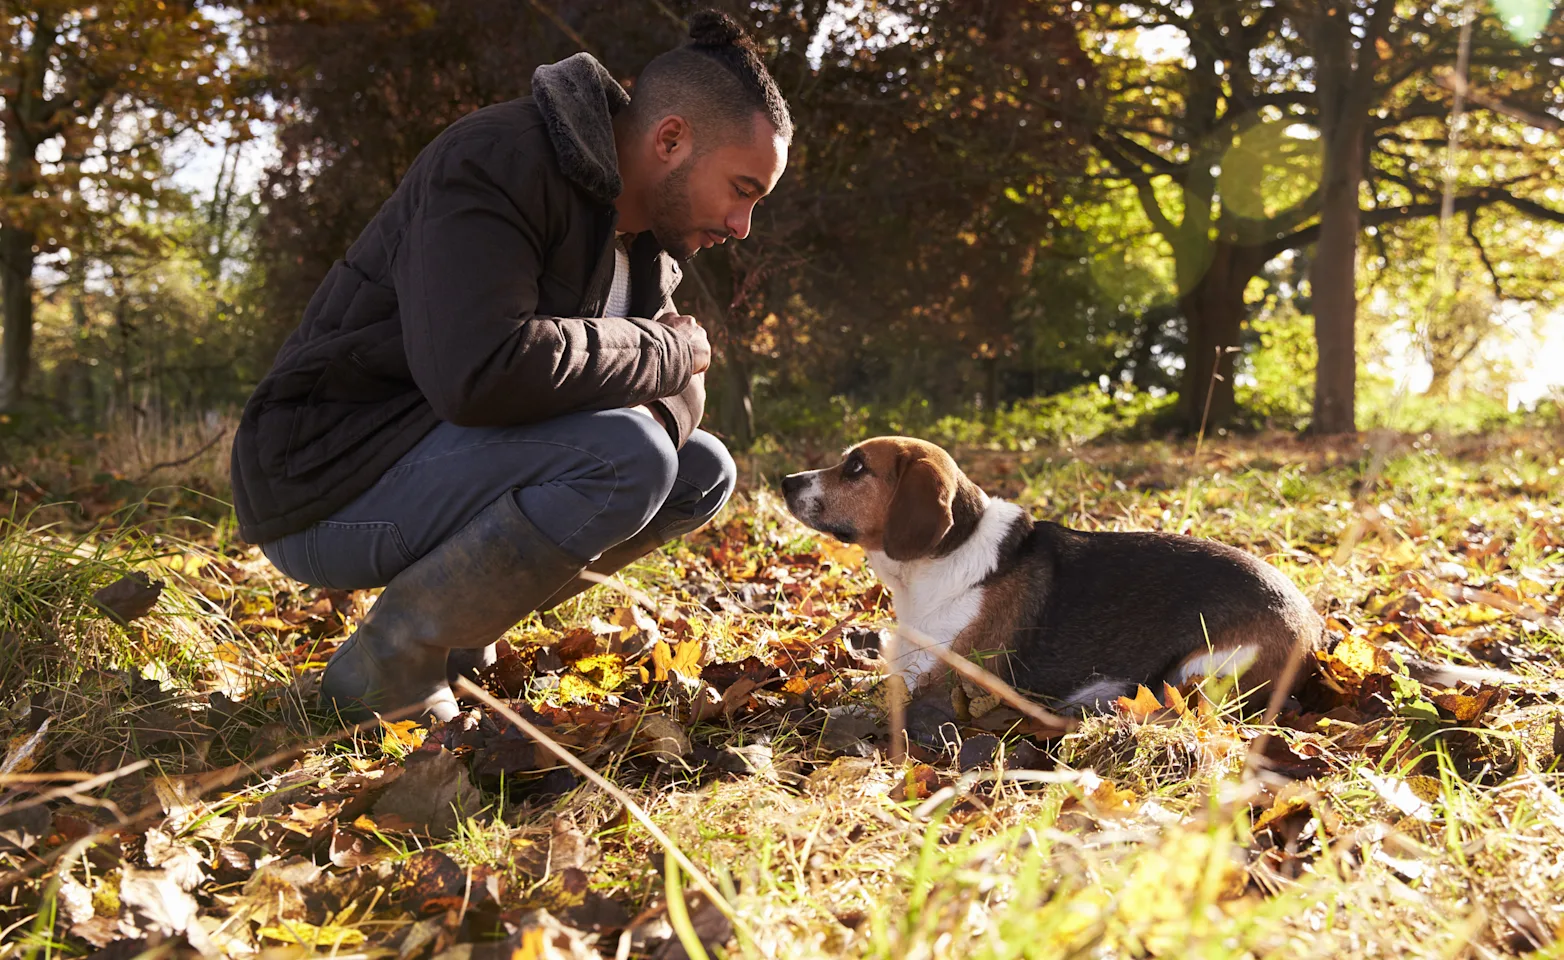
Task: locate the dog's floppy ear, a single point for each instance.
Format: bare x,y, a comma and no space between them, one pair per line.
919,515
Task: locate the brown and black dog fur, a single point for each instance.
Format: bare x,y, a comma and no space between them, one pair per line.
1081,618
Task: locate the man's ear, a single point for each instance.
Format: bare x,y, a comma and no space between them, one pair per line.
919,514
672,139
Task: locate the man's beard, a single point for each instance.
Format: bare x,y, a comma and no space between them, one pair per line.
671,213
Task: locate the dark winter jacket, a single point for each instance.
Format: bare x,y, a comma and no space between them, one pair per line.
473,297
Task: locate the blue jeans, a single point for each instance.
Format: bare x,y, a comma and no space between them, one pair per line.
587,481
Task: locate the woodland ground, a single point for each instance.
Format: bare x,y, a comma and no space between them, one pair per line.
168,787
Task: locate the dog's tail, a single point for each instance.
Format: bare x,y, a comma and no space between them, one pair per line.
1451,674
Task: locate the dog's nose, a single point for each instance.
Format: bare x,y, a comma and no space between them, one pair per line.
793,483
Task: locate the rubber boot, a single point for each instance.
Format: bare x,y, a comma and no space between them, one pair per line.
467,663
463,595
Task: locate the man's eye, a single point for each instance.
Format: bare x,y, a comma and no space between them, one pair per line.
742,193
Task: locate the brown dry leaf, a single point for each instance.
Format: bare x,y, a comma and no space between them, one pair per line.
276,890
1174,700
542,937
662,737
1143,706
918,783
1282,807
129,598
431,791
160,904
349,850
737,695
431,883
1467,709
578,643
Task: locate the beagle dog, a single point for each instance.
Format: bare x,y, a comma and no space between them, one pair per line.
1077,619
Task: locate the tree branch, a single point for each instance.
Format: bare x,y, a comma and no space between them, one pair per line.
1482,253
1411,211
1143,188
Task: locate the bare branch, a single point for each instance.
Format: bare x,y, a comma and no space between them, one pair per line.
1482,253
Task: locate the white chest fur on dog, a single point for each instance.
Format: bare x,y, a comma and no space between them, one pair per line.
938,597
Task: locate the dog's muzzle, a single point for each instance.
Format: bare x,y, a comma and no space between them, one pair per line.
801,492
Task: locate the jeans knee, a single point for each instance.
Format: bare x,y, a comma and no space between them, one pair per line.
707,465
645,463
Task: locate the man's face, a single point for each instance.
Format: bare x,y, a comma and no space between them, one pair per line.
711,195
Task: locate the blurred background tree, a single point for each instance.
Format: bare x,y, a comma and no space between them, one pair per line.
1181,215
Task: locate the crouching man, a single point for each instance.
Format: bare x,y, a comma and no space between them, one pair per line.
493,390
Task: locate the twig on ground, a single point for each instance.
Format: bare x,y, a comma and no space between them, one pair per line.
207,782
468,688
988,681
76,789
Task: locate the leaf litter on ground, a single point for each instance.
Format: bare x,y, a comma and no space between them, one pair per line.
1377,817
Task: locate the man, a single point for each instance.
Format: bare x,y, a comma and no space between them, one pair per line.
477,406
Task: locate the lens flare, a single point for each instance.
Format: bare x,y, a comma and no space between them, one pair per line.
1272,167
1523,18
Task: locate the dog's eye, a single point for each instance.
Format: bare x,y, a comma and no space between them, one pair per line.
852,468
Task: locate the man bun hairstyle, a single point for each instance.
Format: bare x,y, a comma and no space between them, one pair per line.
713,28
716,81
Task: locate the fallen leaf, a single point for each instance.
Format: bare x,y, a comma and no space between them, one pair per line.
402,736
1144,705
276,890
917,783
662,737
1467,709
737,695
431,883
160,904
349,850
310,935
128,598
1107,798
683,659
22,750
432,792
1401,794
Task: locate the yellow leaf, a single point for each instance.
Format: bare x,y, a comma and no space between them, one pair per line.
575,687
684,658
309,935
842,554
1353,659
606,670
402,736
1110,799
1142,706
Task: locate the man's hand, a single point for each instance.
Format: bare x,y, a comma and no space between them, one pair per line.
694,333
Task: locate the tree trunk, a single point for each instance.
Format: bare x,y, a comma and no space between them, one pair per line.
1214,312
737,413
80,398
1333,273
1333,285
16,292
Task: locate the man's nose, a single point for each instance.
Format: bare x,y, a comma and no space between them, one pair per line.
738,224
